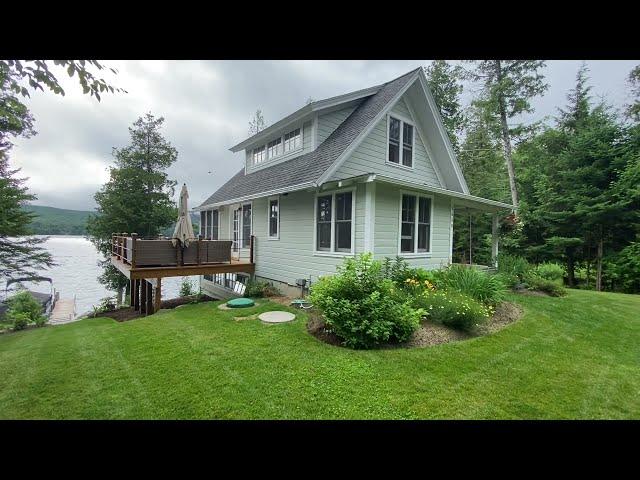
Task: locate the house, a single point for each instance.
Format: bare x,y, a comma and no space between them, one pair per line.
368,171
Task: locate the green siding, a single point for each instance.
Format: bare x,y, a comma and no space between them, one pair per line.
387,218
371,155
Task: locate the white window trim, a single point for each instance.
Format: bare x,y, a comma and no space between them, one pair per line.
408,121
283,155
269,200
332,251
415,253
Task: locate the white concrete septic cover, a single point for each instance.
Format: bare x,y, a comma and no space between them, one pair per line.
276,317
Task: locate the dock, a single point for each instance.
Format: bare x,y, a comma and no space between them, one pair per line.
64,311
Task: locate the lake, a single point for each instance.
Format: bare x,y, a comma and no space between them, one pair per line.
77,273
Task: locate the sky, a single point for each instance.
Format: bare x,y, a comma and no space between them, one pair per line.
207,106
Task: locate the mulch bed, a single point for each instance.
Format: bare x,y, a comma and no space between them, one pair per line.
429,333
128,313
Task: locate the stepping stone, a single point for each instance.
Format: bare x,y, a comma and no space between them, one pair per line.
276,317
240,303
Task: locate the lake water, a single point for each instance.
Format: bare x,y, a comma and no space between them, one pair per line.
77,273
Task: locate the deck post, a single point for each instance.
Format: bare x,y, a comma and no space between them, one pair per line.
143,296
132,294
251,248
158,294
134,237
136,298
113,244
149,297
494,239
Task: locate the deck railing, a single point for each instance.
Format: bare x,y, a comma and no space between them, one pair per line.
146,252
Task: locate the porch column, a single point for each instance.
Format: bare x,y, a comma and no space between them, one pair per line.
143,296
494,239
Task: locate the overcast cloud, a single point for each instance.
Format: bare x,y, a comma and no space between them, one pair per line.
207,106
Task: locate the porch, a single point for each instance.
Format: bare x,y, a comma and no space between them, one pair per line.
145,262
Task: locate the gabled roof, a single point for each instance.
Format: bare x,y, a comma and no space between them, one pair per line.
305,170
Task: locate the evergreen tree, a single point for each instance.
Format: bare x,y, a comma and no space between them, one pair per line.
138,196
445,83
633,110
508,87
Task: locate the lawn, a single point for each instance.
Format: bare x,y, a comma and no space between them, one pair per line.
572,357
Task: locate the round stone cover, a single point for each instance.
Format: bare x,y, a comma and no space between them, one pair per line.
240,303
276,317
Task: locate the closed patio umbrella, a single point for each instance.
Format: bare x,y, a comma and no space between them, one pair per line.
184,230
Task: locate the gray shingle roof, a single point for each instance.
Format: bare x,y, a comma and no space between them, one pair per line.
310,166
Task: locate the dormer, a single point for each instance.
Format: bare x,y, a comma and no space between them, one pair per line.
299,133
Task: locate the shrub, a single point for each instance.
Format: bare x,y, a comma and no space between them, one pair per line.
19,320
396,270
536,282
481,286
257,289
363,307
25,304
453,309
186,288
512,269
550,271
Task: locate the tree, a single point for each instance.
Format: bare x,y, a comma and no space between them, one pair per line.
508,87
138,196
257,124
445,83
20,254
633,110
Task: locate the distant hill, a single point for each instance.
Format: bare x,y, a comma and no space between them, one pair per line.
58,221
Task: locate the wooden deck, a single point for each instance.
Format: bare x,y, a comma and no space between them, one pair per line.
135,273
145,262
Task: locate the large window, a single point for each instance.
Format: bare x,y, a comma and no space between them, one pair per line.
334,222
203,223
400,142
274,218
324,209
415,224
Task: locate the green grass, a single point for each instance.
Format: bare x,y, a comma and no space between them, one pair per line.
571,357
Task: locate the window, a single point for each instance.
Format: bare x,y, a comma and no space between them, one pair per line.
274,219
395,154
343,221
292,140
289,142
203,226
213,229
274,149
246,225
259,155
415,224
334,222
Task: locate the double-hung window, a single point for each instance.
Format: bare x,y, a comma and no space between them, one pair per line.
246,225
415,224
274,218
334,222
213,225
400,142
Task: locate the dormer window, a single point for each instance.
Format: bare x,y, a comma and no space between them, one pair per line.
400,142
279,147
292,140
259,155
274,149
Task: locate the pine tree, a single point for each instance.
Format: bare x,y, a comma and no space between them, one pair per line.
633,110
138,196
257,123
445,83
508,87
